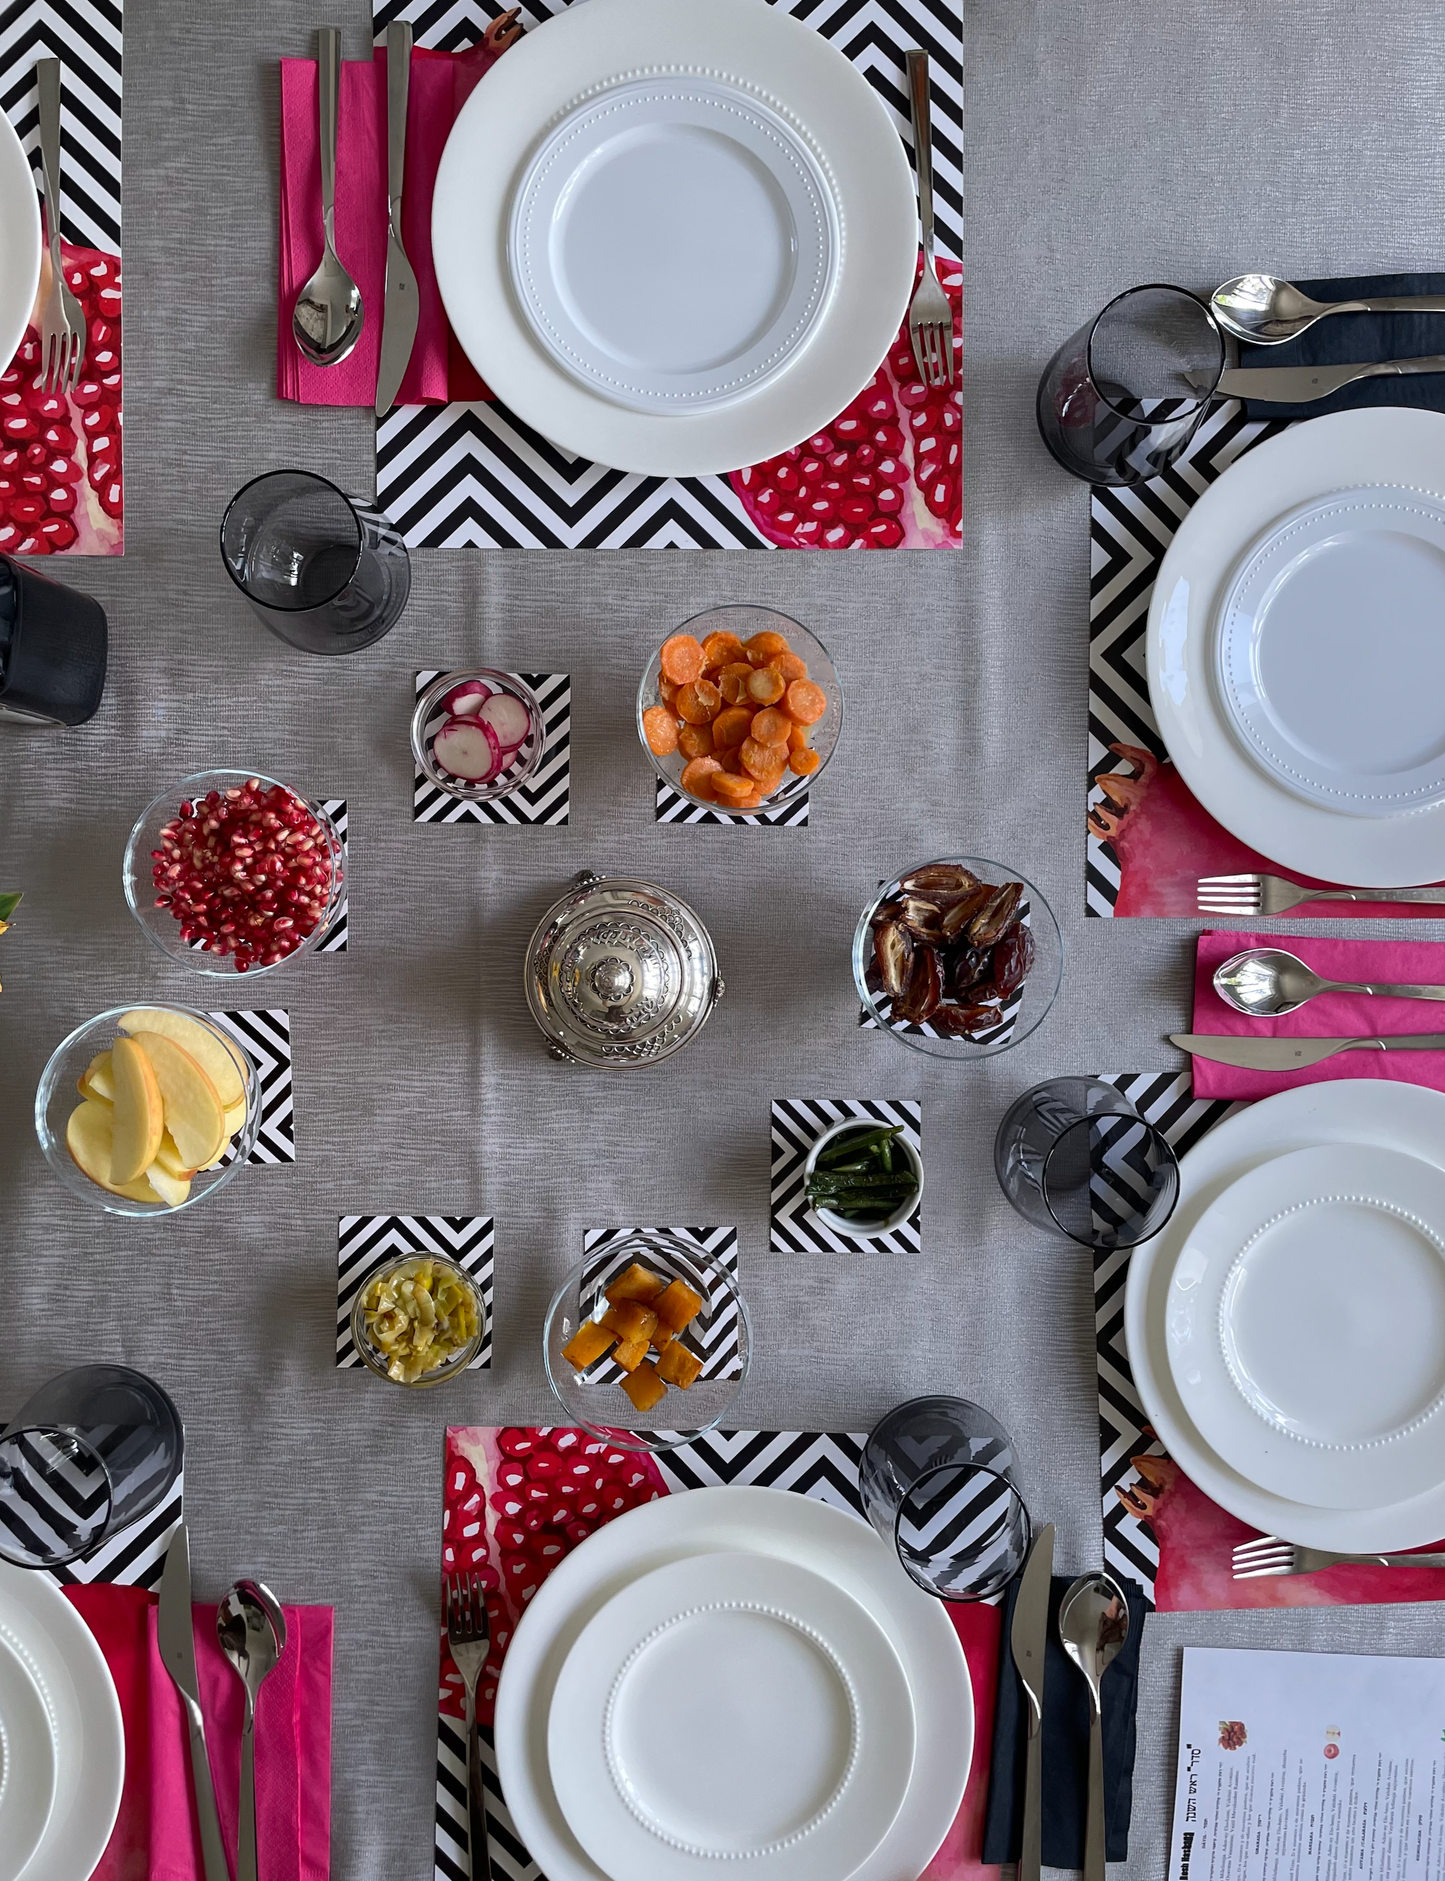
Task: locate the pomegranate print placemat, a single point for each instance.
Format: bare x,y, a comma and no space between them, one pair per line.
887,474
61,487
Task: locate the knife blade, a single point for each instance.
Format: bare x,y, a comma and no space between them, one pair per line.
1028,1637
1301,385
402,308
1296,1054
177,1644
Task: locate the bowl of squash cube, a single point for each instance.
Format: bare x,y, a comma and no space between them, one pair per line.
740,710
863,1179
418,1320
146,1110
648,1341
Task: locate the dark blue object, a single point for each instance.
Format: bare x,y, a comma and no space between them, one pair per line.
53,646
1347,339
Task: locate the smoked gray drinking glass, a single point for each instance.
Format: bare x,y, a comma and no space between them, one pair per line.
326,572
937,1482
1074,1156
1115,404
88,1454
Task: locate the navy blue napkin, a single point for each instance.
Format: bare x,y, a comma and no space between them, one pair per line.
1066,1744
1345,338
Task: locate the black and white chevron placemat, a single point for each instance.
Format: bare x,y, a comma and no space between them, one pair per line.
86,36
672,807
546,797
366,1242
266,1035
797,1123
713,1335
451,475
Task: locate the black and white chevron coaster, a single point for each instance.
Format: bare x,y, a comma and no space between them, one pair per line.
86,36
365,1243
452,475
546,797
672,807
713,1335
797,1123
266,1036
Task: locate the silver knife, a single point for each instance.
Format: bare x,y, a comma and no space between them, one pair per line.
1300,385
1295,1054
1027,1638
178,1653
398,331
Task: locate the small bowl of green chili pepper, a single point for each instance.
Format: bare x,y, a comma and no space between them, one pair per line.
863,1179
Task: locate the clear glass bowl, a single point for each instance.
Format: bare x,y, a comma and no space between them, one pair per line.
428,719
372,1356
58,1094
1039,990
160,925
881,1224
745,621
593,1399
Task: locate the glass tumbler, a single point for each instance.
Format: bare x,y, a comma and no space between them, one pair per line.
91,1452
324,571
937,1482
1074,1156
1121,399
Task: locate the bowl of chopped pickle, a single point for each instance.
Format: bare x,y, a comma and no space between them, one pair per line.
418,1320
863,1179
649,1331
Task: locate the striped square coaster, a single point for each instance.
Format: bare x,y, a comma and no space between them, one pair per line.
713,1335
266,1036
672,807
546,797
797,1123
366,1242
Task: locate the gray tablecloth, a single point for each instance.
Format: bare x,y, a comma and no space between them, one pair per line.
1109,142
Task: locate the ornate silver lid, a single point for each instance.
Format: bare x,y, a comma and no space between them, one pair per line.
620,973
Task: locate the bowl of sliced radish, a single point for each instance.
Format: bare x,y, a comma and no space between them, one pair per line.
479,734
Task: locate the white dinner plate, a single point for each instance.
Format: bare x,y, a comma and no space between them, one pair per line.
1306,1326
674,244
1345,452
27,1757
89,1737
785,1526
19,242
586,60
1404,1117
1329,654
731,1708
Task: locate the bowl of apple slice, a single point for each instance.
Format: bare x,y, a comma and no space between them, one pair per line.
145,1110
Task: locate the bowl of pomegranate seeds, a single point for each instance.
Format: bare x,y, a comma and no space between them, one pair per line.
232,872
959,958
478,734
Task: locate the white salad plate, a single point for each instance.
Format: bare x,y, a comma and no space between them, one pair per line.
778,1525
1364,657
1403,1117
87,1734
19,242
27,1758
674,244
731,1708
1329,654
753,183
1306,1326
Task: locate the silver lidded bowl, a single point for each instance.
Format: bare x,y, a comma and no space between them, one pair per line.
620,972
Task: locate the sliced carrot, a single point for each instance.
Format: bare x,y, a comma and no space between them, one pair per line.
762,761
765,687
661,729
804,762
730,788
732,682
751,801
763,647
728,756
771,727
697,777
806,702
695,741
720,650
790,666
699,702
732,724
681,659
798,738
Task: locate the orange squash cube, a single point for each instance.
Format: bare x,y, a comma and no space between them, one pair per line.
630,1320
678,1366
587,1345
631,1355
644,1387
636,1284
677,1306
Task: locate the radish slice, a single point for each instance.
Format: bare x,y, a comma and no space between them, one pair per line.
468,749
508,718
466,699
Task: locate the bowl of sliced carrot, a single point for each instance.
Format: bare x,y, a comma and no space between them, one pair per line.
740,710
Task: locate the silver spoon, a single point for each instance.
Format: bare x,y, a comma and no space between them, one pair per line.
1267,311
251,1629
1093,1625
1265,982
327,319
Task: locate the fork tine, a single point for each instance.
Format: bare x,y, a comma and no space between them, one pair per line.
949,350
77,354
47,364
935,355
1260,1544
915,335
1247,880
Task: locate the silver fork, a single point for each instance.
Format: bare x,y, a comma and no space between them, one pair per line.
469,1638
62,322
930,318
1267,1557
1271,894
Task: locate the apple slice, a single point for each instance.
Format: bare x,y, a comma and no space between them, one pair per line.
98,1080
168,1159
220,1062
88,1138
172,1190
139,1116
194,1114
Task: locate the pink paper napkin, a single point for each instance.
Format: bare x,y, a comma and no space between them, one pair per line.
1331,1015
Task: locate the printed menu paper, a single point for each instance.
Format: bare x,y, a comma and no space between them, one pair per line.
1301,1766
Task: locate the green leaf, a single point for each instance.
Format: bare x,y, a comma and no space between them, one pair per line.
8,905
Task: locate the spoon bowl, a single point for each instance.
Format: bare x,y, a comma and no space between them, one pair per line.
1267,982
1266,311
